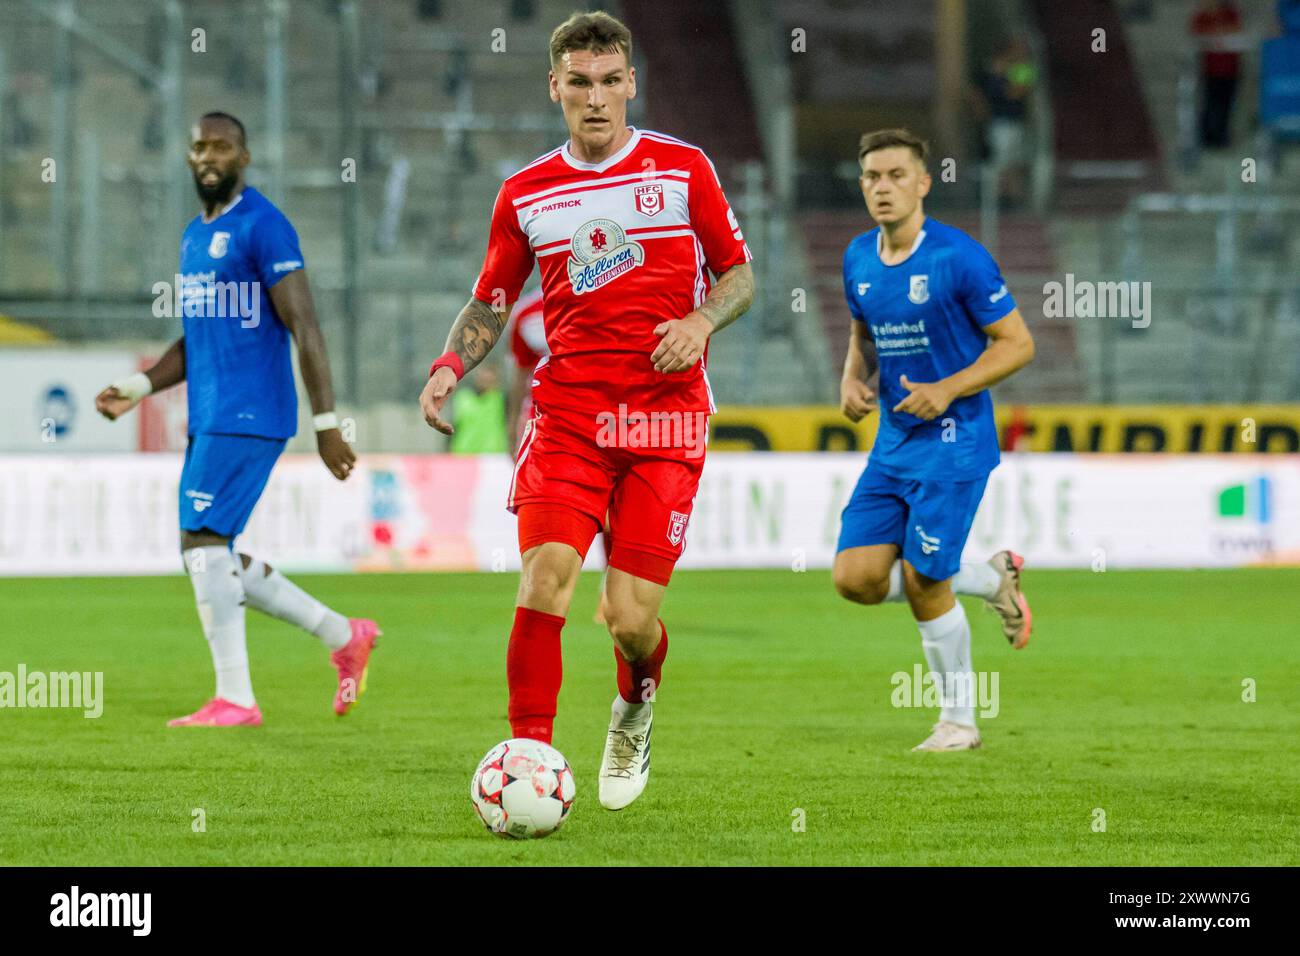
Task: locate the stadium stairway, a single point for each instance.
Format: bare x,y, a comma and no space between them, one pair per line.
1165,54
1103,154
1027,254
684,47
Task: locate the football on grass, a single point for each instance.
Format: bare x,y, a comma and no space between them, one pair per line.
522,789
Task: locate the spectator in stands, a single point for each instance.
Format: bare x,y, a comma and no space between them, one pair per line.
480,415
1214,26
1002,99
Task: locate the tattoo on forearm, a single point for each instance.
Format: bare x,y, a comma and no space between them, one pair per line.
728,300
474,332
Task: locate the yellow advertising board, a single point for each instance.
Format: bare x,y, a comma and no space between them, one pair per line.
1080,428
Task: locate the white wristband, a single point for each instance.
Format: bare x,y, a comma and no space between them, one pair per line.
325,421
135,386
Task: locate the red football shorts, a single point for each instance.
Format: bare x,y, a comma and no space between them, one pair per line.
572,470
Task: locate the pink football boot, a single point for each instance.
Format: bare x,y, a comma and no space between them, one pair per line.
352,662
220,712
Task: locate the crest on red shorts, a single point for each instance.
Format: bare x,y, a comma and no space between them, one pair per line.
649,199
677,527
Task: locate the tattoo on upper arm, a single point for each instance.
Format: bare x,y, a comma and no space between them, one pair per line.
475,331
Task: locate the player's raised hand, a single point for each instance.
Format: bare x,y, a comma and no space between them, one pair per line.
857,400
928,400
682,344
337,454
441,384
112,404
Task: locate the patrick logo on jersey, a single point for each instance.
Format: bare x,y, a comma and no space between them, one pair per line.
601,252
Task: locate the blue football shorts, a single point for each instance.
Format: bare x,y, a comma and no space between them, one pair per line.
223,477
929,521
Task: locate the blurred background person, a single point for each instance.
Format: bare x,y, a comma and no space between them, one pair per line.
1215,22
481,415
1003,89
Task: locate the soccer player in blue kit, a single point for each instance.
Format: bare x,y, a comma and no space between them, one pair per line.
244,292
930,307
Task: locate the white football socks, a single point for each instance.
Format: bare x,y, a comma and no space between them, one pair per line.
219,594
976,578
276,595
895,594
946,642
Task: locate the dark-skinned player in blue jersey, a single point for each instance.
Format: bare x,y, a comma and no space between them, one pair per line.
244,295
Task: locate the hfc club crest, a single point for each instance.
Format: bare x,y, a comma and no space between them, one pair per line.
649,199
600,253
219,244
677,527
920,289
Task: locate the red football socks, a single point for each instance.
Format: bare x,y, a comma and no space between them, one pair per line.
638,682
534,669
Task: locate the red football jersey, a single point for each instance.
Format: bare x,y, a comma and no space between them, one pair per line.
622,245
528,331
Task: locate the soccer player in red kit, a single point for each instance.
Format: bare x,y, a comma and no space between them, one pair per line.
626,226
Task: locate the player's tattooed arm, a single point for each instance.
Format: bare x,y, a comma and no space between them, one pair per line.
684,339
730,298
475,331
293,303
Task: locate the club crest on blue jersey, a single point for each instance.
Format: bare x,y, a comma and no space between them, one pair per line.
219,244
919,291
863,287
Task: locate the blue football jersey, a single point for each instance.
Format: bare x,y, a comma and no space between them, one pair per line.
238,370
925,315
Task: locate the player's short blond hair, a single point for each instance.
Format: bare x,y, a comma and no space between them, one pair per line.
596,31
889,138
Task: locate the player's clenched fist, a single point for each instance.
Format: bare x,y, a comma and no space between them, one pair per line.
441,384
928,400
682,344
857,400
112,404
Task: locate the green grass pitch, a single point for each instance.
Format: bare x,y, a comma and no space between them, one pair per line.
776,699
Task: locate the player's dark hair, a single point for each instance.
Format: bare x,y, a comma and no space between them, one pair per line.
889,138
596,31
218,114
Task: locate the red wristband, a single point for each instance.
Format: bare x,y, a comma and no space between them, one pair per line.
448,360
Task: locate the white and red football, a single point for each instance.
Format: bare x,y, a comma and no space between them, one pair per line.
522,789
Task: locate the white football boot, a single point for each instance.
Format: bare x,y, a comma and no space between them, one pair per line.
950,736
625,765
1009,602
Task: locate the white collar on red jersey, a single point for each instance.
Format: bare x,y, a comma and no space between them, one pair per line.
609,161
